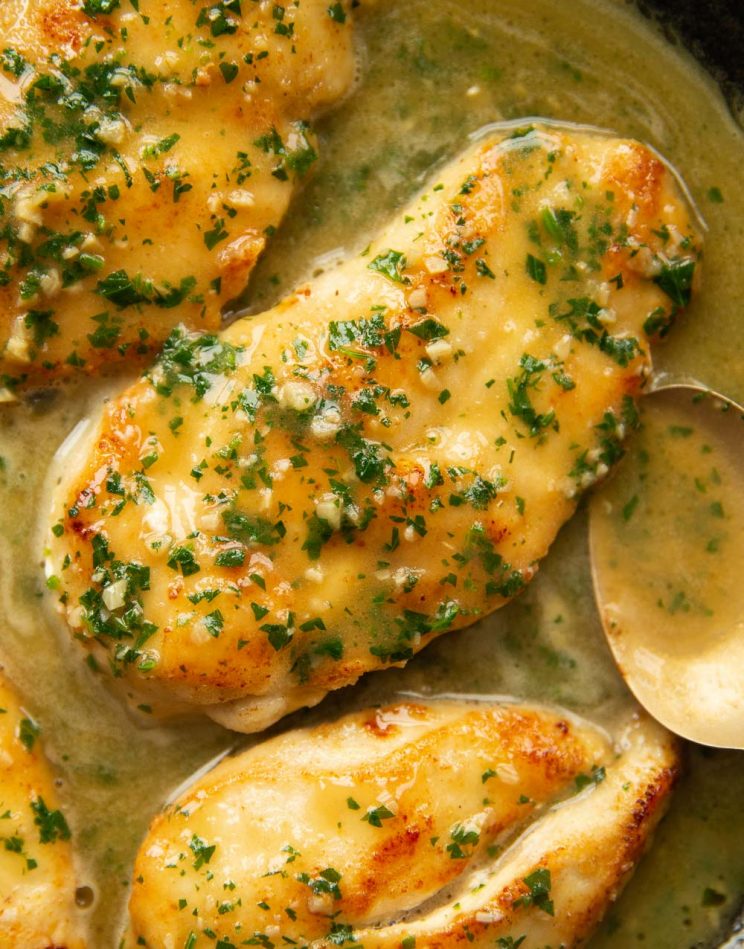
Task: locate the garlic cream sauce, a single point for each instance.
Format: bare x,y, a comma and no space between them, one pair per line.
432,72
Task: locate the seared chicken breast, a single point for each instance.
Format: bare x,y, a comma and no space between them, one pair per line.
147,151
433,826
37,877
387,454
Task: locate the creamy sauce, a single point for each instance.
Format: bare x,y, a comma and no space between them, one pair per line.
480,440
432,75
158,96
666,571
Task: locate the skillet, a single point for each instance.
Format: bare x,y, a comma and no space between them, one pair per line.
713,31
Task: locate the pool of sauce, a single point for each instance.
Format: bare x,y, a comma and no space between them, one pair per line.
432,73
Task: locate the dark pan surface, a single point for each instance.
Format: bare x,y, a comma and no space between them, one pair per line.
713,31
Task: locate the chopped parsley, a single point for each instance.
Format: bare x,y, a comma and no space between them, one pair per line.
596,776
279,635
337,13
675,279
192,359
429,329
28,732
296,154
52,824
327,881
520,387
536,269
376,815
462,837
390,264
538,884
202,851
94,7
125,291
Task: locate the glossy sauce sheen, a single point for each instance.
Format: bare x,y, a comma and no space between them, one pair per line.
37,872
408,825
692,449
432,76
125,131
389,453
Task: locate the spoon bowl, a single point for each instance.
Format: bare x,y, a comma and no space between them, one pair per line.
667,546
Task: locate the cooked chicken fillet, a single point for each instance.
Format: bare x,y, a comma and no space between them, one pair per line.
37,878
387,454
146,152
432,826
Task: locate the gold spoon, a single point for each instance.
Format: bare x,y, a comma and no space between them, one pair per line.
667,549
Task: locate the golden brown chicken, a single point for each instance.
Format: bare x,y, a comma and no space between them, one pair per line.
37,877
388,453
147,150
430,826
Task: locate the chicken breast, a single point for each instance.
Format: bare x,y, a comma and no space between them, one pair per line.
37,877
433,826
386,455
147,150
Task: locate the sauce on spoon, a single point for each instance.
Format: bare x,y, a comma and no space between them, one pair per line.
666,540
